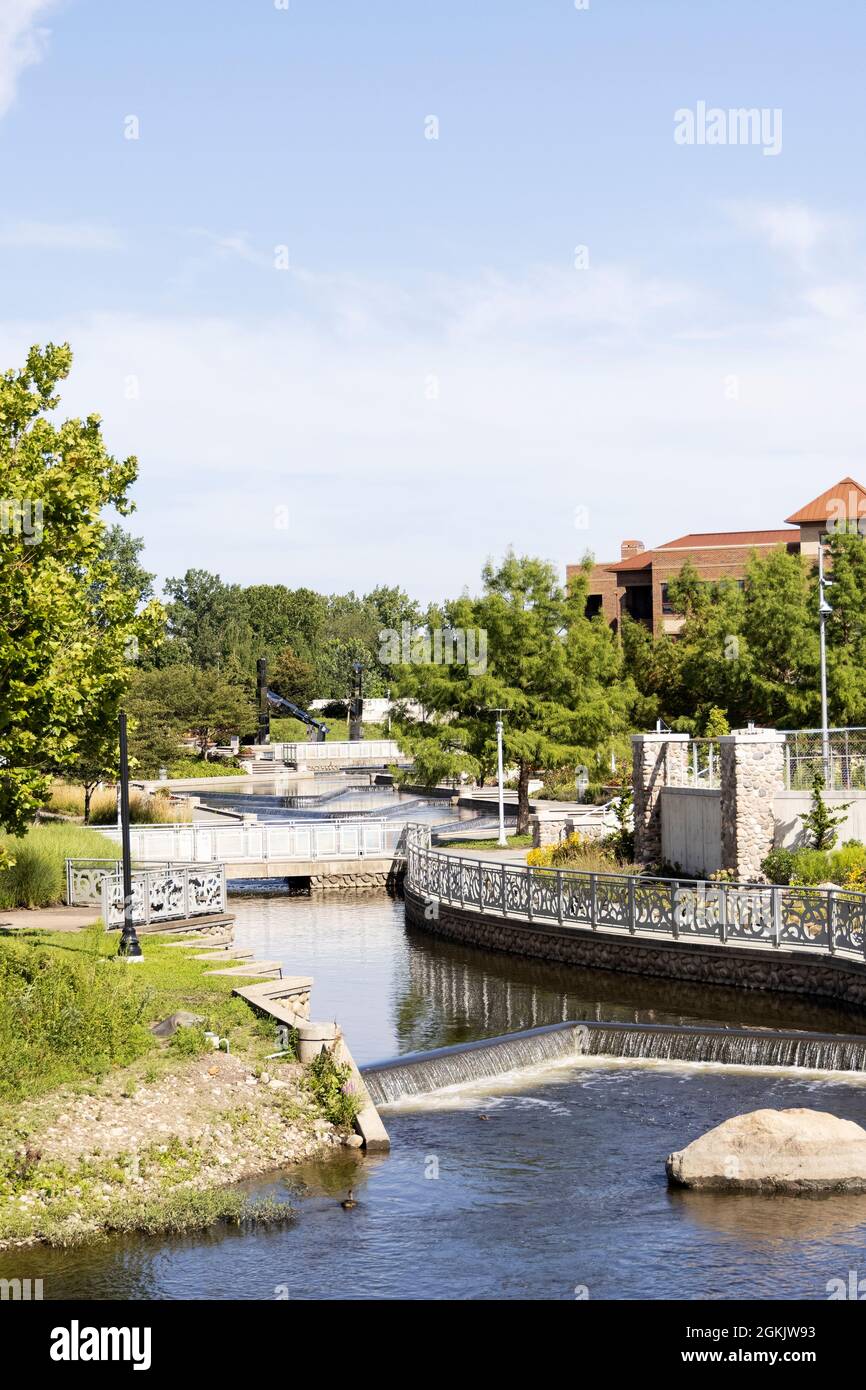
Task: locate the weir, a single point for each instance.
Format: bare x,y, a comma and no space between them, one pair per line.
419,1073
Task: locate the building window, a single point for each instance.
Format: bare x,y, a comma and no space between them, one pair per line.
667,606
593,605
638,602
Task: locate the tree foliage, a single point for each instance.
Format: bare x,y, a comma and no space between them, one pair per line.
71,611
556,674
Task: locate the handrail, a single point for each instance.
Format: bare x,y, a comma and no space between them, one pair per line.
826,920
304,839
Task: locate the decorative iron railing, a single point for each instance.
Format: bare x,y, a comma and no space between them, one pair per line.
160,892
831,920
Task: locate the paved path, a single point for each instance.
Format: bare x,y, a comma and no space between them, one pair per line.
492,855
49,918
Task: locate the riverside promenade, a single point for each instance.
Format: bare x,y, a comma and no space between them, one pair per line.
807,941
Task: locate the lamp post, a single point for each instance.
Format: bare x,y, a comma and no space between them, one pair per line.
824,611
130,946
502,841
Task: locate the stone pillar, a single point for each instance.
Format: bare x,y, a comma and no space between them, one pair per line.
752,771
658,760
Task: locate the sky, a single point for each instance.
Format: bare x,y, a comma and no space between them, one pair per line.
374,291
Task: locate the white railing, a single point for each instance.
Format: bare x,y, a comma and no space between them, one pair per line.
700,767
385,750
270,840
160,892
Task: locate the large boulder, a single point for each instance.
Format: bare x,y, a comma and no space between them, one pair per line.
775,1151
169,1026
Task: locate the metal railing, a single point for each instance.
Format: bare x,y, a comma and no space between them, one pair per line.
282,840
160,892
374,750
840,759
700,766
827,920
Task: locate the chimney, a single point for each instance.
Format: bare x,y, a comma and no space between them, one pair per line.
629,548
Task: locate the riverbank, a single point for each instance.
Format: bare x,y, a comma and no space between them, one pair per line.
107,1126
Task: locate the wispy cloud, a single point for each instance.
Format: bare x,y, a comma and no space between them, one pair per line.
59,236
22,42
793,229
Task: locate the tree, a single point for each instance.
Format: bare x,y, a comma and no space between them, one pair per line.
846,629
556,673
155,727
745,652
820,822
68,620
182,700
293,678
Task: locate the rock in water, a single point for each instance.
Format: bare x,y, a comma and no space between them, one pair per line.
775,1151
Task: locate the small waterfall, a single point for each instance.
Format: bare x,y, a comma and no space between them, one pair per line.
745,1047
418,1073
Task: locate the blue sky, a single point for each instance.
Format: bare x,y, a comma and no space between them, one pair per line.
432,378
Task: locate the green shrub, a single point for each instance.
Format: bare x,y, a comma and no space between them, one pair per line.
206,767
820,822
331,1084
778,866
811,866
38,876
61,1015
190,1042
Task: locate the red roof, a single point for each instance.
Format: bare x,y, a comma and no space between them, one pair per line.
704,540
847,499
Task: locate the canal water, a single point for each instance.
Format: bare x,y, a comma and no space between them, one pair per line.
546,1185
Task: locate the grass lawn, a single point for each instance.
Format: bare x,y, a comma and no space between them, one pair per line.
514,842
38,876
294,731
70,1011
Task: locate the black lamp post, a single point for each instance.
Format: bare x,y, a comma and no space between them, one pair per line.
130,946
356,707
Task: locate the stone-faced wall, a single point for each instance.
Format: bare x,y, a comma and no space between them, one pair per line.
752,773
658,760
789,972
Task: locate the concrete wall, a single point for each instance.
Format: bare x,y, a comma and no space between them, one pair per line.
789,807
691,820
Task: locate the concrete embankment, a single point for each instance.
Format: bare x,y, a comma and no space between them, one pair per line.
287,1001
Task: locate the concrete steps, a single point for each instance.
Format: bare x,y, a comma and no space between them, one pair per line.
255,967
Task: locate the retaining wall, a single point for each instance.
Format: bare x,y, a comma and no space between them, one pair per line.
755,968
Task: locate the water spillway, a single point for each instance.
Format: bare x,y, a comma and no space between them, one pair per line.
422,1072
416,1073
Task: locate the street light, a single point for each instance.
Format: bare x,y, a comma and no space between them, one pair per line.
824,611
130,946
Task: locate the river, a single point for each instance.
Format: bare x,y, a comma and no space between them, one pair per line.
545,1186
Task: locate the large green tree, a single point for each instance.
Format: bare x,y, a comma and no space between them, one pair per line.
182,700
556,674
69,619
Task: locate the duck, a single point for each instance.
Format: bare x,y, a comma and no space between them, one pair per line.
348,1202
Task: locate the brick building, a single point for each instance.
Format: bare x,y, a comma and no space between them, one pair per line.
637,582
